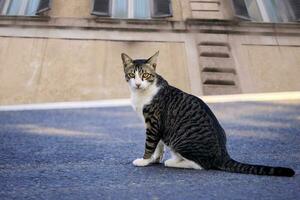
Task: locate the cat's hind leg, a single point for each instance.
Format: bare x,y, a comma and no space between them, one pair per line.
178,161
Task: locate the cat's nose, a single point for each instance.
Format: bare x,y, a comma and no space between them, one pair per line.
138,85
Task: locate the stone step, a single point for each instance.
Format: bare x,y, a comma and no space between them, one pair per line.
221,50
209,89
216,64
215,54
216,43
218,73
219,78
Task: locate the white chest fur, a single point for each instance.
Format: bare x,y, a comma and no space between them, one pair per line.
140,98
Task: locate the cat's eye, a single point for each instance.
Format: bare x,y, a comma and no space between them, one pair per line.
146,75
131,75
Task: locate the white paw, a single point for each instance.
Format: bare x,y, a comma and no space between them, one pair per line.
170,162
187,164
140,162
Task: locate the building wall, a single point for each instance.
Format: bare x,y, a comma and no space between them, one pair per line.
268,63
49,70
74,56
71,8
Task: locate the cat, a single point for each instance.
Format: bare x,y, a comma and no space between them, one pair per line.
182,122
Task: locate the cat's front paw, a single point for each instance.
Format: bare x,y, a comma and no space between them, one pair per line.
141,162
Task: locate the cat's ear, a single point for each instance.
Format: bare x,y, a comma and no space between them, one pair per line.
153,60
126,59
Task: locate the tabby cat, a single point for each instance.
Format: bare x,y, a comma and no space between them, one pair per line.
182,122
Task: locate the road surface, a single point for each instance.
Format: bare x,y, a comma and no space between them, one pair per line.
88,153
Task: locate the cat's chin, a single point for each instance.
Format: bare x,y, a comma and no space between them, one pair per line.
138,89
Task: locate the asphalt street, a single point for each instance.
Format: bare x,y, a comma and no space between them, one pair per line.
88,154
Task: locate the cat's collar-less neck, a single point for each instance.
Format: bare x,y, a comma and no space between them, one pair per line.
140,98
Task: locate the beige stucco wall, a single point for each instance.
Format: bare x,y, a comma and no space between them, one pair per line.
54,70
272,68
209,9
267,63
70,8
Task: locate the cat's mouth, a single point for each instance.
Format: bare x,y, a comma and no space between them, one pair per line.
140,88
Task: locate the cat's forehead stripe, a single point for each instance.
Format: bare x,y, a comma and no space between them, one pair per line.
139,62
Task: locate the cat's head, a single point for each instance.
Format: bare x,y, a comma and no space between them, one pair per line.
140,74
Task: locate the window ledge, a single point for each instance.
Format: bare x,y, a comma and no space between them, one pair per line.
269,24
24,18
218,22
132,21
165,24
142,24
193,21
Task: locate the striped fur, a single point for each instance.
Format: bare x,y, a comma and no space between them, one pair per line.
187,126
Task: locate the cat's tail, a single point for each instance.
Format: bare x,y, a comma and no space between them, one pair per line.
237,167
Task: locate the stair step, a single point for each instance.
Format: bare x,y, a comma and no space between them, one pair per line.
209,89
209,43
219,64
218,73
215,54
219,70
217,78
219,82
214,49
